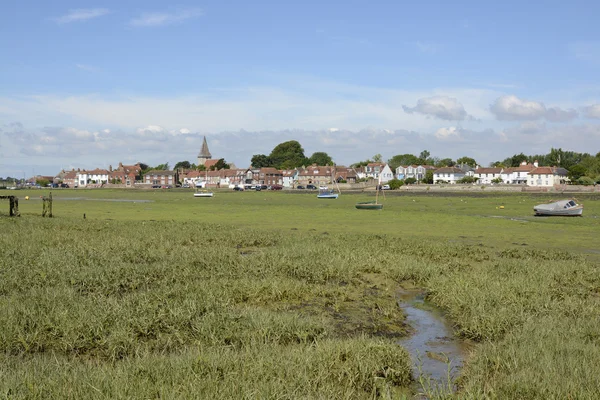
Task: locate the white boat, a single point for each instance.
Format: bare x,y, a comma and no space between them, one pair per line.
564,208
203,194
325,192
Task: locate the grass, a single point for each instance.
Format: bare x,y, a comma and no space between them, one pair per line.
280,295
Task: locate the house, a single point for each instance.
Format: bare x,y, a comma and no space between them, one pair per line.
161,177
417,172
289,178
485,176
345,174
360,173
317,175
375,170
270,176
125,174
547,176
518,175
96,177
448,175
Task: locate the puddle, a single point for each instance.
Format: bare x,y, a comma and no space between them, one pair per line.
113,200
434,351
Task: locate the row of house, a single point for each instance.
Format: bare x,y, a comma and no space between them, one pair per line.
524,174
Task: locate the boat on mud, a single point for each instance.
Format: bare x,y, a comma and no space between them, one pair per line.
369,205
326,193
203,194
561,208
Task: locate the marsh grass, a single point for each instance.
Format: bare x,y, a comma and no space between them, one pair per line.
271,297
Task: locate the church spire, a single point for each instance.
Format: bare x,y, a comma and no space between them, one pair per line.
204,153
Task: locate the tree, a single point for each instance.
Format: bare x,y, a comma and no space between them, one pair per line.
320,158
201,167
219,165
183,164
467,160
424,155
403,159
260,161
288,155
428,177
576,172
361,164
395,184
143,166
162,167
410,181
467,179
377,158
446,162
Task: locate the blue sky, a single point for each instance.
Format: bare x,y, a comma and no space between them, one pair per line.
88,84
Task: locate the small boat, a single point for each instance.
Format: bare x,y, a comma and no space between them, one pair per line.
564,208
369,205
325,193
372,205
203,194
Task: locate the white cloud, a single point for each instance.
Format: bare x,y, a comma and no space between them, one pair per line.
184,130
592,111
162,19
447,133
556,114
82,14
442,107
511,108
86,67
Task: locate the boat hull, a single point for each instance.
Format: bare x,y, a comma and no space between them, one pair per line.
562,208
327,196
369,206
203,194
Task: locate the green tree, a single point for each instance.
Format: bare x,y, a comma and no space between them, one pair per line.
361,163
424,156
288,155
576,172
219,165
446,162
162,167
467,179
143,166
320,158
403,159
377,158
428,177
410,181
395,184
183,164
201,167
260,161
467,160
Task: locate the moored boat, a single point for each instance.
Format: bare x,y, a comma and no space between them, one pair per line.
369,205
203,194
561,208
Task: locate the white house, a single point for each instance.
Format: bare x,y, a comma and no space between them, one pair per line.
375,170
547,176
413,171
518,175
290,177
94,177
448,174
487,175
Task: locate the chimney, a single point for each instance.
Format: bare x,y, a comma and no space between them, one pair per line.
524,162
535,163
110,168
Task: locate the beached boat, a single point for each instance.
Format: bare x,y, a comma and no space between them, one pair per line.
369,205
563,208
203,194
325,193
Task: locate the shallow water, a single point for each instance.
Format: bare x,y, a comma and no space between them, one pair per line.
435,352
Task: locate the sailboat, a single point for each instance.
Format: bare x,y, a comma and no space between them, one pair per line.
371,205
203,193
325,192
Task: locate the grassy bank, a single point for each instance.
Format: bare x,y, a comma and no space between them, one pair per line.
254,295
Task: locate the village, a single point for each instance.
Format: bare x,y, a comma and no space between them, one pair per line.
310,176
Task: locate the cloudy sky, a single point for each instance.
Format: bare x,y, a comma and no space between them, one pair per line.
89,84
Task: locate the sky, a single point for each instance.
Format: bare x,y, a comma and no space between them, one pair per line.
88,84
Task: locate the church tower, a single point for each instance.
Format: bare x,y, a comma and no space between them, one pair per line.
204,153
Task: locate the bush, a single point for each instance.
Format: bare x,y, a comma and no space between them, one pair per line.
497,180
585,180
467,179
410,181
395,183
